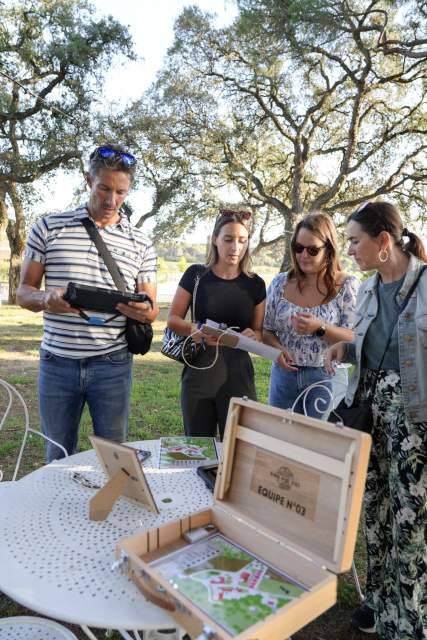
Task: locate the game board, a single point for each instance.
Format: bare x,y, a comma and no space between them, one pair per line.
228,583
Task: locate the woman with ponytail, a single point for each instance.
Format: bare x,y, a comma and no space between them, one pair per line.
396,489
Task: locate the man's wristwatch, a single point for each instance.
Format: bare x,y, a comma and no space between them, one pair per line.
320,332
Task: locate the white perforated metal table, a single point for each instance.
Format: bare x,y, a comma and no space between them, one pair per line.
57,562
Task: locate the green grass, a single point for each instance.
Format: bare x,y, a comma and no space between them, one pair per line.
155,411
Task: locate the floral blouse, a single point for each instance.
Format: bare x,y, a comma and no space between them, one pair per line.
305,350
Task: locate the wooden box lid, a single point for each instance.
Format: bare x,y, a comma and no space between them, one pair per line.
297,479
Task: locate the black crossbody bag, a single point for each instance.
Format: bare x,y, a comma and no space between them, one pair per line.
360,416
139,335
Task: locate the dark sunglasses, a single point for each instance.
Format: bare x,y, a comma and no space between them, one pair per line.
106,153
311,250
244,215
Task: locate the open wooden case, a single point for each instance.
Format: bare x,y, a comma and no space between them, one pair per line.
289,491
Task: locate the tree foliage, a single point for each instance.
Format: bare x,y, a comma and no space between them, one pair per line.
404,34
52,59
295,107
179,191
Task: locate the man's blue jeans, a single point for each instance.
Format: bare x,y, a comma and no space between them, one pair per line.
66,384
285,387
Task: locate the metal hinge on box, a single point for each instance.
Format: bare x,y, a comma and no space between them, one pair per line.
122,564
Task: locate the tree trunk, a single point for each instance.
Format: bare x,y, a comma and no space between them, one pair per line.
286,260
208,245
16,235
3,206
290,222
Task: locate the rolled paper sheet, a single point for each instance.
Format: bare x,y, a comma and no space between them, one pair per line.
231,338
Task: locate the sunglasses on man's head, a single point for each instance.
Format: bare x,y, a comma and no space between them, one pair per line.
107,153
245,215
311,250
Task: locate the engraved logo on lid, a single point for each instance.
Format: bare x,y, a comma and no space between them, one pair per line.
285,478
285,484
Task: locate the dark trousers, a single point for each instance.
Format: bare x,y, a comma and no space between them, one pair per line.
205,394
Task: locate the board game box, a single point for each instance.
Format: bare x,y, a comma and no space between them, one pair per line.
187,452
262,562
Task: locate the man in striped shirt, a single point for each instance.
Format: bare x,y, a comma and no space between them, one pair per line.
82,362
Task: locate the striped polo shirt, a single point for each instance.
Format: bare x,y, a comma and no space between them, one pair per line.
60,242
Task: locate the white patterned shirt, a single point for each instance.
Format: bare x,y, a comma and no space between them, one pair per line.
60,242
307,351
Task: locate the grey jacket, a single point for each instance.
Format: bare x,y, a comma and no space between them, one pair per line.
412,339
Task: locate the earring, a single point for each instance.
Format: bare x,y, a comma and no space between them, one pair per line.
383,255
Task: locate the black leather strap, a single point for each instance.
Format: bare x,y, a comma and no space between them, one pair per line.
105,254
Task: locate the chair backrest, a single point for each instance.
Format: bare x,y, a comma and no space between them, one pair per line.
321,405
14,395
9,401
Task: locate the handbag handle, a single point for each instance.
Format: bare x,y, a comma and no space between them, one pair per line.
193,306
196,286
396,318
150,594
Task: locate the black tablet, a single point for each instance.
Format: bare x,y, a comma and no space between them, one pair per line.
82,296
208,475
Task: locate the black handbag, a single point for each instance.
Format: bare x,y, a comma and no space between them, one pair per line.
174,345
360,416
139,335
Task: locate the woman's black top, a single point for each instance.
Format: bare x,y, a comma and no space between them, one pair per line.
229,301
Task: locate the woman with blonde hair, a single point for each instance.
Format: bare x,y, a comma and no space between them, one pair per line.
227,292
309,308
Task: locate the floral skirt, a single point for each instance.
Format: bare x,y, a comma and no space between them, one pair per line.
396,514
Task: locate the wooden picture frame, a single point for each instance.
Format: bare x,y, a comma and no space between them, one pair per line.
125,477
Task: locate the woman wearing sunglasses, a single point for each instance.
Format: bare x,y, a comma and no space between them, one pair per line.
230,294
309,308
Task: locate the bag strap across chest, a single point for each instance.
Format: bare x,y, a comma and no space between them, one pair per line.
393,324
199,276
105,254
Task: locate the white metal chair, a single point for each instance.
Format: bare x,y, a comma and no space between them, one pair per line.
33,628
324,406
12,394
